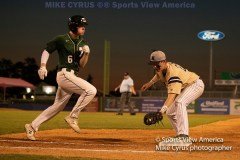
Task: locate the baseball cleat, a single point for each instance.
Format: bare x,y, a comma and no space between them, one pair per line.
73,123
182,136
30,132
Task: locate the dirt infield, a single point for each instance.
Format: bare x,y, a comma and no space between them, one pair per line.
124,144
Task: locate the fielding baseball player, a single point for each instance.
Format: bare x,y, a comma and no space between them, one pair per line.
183,87
126,90
73,53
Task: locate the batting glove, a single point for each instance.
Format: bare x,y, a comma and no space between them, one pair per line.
86,49
164,109
42,72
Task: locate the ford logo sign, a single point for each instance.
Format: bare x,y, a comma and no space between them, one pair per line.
211,35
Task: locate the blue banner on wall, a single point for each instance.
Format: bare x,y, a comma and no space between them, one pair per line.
213,106
141,104
113,104
151,105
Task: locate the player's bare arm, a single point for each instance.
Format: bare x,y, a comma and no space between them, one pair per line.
146,86
133,90
169,101
117,87
150,83
83,61
42,72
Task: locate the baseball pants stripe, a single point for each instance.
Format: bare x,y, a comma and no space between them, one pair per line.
177,112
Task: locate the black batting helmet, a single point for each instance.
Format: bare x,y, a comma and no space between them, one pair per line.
76,21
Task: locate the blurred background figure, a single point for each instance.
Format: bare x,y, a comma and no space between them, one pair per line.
126,90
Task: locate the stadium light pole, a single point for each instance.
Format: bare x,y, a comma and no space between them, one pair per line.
211,36
211,66
106,68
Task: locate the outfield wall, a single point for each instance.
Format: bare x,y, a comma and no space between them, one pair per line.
200,106
235,106
93,106
143,104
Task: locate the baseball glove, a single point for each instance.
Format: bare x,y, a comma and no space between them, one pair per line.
152,118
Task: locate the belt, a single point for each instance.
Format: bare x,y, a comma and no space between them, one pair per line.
126,92
189,84
68,70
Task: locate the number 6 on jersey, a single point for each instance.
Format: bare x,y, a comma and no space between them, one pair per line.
70,59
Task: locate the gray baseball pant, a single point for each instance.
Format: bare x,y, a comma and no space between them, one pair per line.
68,83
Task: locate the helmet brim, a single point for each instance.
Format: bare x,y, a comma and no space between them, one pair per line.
83,24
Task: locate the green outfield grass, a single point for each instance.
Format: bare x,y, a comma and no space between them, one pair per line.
13,121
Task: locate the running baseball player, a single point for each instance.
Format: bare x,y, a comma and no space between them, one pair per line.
73,54
183,87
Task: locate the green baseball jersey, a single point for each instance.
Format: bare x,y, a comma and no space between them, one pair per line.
69,50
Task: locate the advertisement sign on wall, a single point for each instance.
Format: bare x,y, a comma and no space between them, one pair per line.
151,105
191,107
141,105
235,106
213,106
110,104
113,104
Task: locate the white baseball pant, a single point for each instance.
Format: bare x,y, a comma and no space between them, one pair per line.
177,112
68,84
